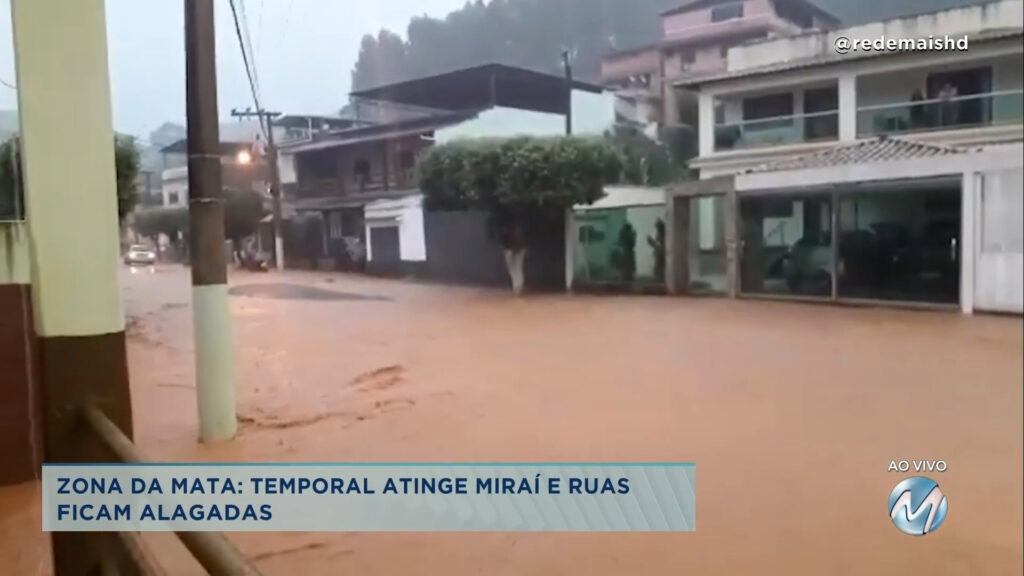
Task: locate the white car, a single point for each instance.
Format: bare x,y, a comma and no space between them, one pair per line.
140,256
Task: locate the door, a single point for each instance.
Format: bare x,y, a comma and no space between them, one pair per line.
901,243
999,272
385,248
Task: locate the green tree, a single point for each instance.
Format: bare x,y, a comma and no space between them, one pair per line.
243,211
525,185
126,164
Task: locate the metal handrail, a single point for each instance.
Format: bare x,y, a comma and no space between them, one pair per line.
774,119
211,549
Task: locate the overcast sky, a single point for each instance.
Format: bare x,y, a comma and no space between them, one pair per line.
305,50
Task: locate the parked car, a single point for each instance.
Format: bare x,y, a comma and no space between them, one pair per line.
139,255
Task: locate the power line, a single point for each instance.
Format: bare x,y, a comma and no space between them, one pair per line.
8,84
248,43
287,21
245,59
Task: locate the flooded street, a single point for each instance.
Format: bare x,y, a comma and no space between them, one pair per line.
791,412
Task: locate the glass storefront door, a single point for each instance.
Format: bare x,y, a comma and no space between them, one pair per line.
900,245
786,245
897,244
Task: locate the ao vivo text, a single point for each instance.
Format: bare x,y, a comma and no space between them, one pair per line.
917,465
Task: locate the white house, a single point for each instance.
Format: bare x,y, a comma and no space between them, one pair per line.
891,176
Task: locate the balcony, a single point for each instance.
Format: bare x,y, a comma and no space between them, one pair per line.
777,131
970,111
323,187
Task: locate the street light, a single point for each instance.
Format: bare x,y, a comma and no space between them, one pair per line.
244,157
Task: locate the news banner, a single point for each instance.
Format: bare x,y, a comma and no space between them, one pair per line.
410,497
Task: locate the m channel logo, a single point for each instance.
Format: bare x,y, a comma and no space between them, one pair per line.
917,506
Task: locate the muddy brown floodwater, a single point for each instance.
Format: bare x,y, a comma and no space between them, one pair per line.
791,412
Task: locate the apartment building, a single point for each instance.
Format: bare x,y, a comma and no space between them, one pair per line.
880,176
695,39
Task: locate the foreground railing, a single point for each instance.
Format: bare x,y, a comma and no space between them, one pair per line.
127,555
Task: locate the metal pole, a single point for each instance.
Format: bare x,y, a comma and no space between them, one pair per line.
568,92
275,178
211,318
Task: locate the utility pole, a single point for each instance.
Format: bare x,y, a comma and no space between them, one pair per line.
215,387
266,120
568,92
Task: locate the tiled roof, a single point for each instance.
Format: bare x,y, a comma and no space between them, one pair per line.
881,149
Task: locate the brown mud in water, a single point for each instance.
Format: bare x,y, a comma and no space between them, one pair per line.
791,412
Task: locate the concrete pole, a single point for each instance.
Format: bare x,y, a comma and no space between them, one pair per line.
275,192
68,168
215,388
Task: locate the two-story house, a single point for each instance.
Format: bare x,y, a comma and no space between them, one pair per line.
358,186
695,39
887,175
242,151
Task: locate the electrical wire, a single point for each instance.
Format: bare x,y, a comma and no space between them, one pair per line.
8,84
249,72
247,32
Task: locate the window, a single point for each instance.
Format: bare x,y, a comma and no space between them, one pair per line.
768,106
361,171
723,51
727,12
687,57
172,198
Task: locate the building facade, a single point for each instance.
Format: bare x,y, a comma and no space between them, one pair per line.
356,192
696,38
876,176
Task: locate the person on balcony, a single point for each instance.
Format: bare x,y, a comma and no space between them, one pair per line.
948,109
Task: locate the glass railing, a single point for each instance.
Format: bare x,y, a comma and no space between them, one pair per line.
1006,107
777,131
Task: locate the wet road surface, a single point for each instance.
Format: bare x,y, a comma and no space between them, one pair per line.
791,412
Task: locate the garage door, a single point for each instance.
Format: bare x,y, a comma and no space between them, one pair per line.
385,250
999,277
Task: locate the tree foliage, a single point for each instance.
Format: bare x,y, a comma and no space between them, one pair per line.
648,162
524,184
527,33
126,164
168,221
243,211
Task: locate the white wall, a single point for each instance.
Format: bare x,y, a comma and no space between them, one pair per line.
407,215
593,114
172,186
999,221
286,168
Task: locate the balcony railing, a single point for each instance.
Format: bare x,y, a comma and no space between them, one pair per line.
340,187
974,110
777,131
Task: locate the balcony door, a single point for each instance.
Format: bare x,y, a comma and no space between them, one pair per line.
964,83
